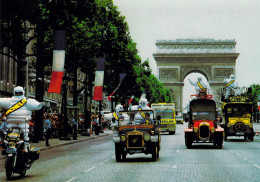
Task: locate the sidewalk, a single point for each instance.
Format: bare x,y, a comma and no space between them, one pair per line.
56,142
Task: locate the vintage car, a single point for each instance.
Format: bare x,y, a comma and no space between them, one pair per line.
203,126
138,134
237,117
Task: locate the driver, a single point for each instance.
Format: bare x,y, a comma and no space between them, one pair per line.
147,120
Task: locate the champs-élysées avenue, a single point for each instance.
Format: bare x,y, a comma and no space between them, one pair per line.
129,90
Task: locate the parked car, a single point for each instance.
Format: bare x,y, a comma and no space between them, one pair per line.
179,119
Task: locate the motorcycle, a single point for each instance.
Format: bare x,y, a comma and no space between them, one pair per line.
17,160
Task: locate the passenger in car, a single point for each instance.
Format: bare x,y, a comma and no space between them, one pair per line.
147,120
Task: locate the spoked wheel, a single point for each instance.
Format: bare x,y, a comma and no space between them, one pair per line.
158,152
225,138
251,138
155,152
118,152
9,167
245,137
123,156
220,141
188,142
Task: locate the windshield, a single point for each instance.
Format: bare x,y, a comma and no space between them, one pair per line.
179,117
240,110
136,118
165,114
203,116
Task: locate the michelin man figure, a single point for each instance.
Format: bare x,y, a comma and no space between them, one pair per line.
143,105
230,84
116,115
19,111
199,85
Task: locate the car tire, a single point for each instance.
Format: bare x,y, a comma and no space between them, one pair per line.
251,138
154,152
123,156
118,152
188,142
225,137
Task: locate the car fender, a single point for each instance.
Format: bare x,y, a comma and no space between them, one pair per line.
188,130
116,139
154,138
219,129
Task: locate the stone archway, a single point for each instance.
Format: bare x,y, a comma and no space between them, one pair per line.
215,59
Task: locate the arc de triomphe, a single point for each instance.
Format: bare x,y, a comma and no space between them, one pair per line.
215,59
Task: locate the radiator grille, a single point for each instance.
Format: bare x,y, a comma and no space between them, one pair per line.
204,131
135,141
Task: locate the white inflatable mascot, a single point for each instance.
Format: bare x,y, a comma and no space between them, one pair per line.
19,111
230,84
143,105
116,115
199,85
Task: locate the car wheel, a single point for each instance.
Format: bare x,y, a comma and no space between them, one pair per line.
155,152
188,142
220,141
123,156
245,137
118,152
225,138
251,138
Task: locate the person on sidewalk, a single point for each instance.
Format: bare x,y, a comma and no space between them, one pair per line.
96,125
47,129
75,125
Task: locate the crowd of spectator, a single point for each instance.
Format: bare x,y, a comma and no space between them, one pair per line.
58,124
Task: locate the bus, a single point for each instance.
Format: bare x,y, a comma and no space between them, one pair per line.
167,113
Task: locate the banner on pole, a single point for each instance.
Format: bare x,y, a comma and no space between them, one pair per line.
58,61
99,79
121,77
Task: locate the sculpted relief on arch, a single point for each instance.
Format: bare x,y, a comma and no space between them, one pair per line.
206,70
168,73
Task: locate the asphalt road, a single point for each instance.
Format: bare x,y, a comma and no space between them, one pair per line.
94,160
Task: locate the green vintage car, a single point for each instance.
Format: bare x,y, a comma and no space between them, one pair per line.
138,134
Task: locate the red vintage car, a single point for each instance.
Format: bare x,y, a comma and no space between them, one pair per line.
203,126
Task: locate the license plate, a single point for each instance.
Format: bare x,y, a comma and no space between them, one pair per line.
239,133
11,150
135,151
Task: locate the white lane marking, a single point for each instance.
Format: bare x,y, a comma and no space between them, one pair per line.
72,179
245,159
177,151
103,162
174,166
256,166
90,169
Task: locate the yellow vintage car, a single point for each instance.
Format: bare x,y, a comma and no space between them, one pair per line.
237,117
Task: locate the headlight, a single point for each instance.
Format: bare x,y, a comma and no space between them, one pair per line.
212,129
123,138
196,129
147,137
